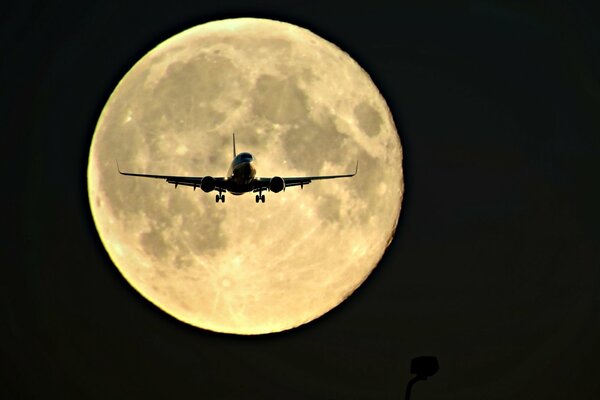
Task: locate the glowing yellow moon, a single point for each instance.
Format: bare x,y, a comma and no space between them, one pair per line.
301,106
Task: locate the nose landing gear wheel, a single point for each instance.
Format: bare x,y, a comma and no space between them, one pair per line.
262,198
220,197
256,198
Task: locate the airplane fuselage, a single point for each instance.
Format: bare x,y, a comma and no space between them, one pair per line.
241,173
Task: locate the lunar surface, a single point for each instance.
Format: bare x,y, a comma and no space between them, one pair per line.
301,106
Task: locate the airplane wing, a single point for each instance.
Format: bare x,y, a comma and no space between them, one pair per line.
262,184
193,181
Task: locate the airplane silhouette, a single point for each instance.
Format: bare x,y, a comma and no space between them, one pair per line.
240,179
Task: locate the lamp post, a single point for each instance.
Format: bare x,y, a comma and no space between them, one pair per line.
423,367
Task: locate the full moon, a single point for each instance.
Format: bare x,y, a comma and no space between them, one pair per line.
301,106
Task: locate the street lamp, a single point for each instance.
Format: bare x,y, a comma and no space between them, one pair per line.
423,367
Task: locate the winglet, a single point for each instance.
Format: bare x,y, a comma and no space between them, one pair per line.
356,170
118,169
234,153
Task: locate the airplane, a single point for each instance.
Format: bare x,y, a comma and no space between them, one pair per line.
241,178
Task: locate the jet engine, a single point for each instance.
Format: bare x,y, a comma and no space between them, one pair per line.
276,184
207,184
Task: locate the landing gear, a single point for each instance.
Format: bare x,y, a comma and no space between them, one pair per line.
220,197
260,197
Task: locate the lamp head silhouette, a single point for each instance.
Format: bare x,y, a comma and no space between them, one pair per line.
423,367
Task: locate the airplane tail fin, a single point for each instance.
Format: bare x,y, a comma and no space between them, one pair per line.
234,153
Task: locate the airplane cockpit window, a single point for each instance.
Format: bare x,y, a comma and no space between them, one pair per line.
244,157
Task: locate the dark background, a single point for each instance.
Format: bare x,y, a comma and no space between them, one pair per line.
494,267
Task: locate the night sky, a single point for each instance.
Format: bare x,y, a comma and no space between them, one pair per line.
494,269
